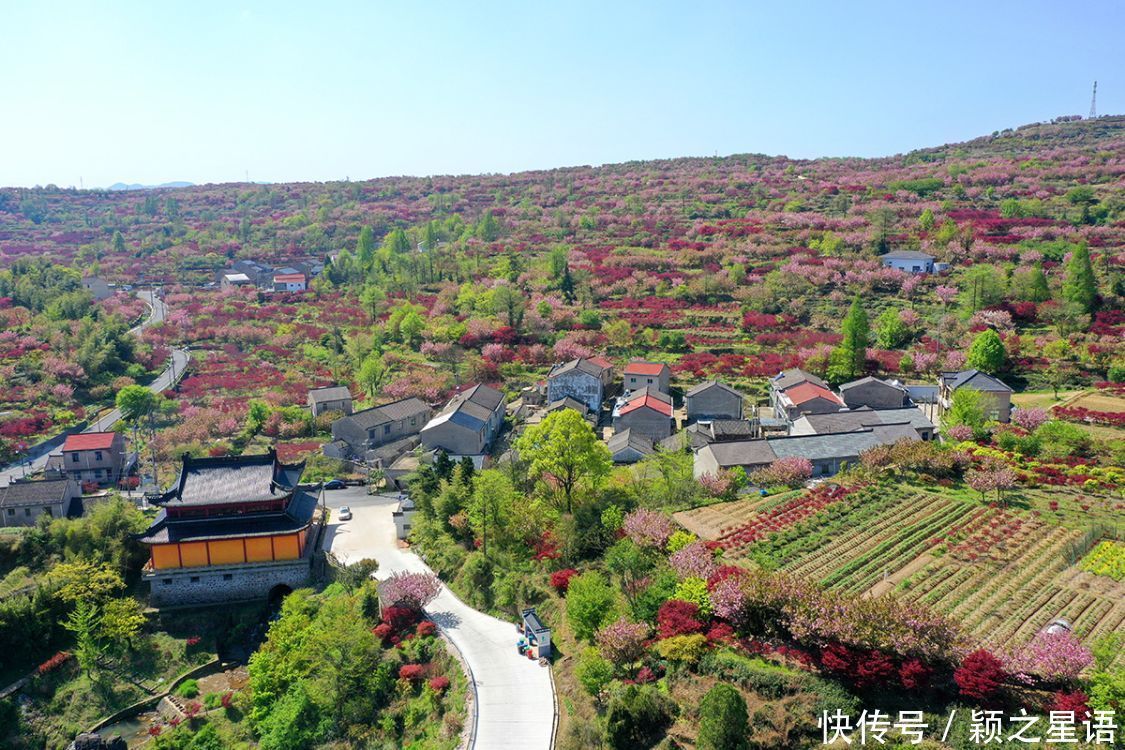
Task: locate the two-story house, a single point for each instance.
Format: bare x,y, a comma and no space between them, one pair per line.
97,457
712,400
996,395
468,424
653,375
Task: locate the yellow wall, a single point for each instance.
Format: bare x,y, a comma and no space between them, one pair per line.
226,552
259,549
193,554
285,547
165,556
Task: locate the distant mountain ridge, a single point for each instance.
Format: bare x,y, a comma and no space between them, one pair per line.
138,186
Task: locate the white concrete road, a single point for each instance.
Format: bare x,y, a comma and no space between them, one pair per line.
515,696
107,420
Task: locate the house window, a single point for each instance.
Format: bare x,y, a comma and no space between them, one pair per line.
11,511
650,381
97,455
74,458
27,511
412,421
97,473
167,581
195,579
386,429
228,576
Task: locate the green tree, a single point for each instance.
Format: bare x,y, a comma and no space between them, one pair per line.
1080,287
256,415
723,721
637,717
83,622
135,401
493,503
631,564
986,353
849,359
365,247
121,621
926,220
85,581
890,330
118,244
509,303
589,604
562,452
372,374
594,672
966,408
488,229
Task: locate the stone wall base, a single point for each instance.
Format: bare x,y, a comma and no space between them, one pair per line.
222,583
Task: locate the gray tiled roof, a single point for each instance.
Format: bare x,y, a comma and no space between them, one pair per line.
581,364
35,492
233,479
709,384
975,379
907,255
794,376
629,439
330,393
869,380
296,517
395,411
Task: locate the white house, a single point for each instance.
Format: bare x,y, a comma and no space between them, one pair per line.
910,261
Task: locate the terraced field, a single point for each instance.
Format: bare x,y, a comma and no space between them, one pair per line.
1003,573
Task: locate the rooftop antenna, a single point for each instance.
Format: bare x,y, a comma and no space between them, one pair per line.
1094,102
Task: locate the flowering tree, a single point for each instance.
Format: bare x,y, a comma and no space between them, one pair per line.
996,477
676,617
1058,657
413,590
1030,419
693,561
622,642
648,528
790,471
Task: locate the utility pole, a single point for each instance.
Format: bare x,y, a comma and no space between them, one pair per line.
1094,102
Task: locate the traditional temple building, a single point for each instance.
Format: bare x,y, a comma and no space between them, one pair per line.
232,528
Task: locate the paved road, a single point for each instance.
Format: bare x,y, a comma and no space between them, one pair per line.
107,420
515,698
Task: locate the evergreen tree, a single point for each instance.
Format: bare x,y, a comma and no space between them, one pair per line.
723,722
118,243
986,353
1080,288
566,286
848,359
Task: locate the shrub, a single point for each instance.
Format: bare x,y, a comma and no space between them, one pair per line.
683,648
980,676
1076,701
425,629
410,672
439,684
560,580
677,617
593,671
679,540
914,674
648,528
637,717
723,721
188,689
400,619
694,590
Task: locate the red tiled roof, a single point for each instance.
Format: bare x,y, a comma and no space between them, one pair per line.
601,362
804,392
648,400
644,368
89,441
287,277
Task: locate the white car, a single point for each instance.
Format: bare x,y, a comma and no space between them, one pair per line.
345,513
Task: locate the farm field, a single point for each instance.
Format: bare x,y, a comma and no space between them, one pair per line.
1002,572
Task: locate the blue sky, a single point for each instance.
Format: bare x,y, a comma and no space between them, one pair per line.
210,91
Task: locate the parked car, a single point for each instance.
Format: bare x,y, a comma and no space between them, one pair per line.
335,484
345,513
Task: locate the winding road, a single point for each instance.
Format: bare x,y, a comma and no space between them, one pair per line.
515,702
165,380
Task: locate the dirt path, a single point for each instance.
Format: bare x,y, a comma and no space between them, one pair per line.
888,583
